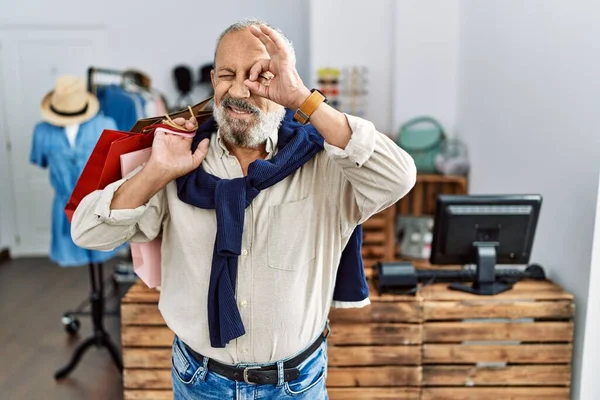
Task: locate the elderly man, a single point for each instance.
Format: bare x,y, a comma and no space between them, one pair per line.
255,215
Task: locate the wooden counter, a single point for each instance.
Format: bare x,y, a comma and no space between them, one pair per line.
439,344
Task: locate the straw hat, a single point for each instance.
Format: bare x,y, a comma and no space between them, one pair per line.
69,103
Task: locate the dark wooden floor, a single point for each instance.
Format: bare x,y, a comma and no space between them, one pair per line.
33,343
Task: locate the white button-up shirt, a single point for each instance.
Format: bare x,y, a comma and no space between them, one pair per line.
294,234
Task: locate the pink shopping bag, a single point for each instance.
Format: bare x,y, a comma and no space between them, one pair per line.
146,256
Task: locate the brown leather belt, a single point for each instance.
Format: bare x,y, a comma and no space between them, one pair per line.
266,374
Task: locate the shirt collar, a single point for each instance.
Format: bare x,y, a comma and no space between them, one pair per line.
271,144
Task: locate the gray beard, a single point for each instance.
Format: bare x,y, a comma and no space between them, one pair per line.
248,134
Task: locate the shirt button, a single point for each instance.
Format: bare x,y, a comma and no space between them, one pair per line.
244,252
245,351
244,303
232,163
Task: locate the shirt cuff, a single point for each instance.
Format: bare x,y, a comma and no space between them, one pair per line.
117,217
350,304
361,145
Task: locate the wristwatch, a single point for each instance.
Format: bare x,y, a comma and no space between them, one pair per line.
309,106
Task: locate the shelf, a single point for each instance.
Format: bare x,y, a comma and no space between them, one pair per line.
438,178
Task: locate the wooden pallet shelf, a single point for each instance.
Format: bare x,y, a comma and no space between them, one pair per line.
421,199
379,239
438,344
516,344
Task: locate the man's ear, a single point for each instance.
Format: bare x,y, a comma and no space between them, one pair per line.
212,78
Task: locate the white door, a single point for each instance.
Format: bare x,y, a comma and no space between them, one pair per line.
30,61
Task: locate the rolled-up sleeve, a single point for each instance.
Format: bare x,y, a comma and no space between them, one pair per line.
370,174
96,226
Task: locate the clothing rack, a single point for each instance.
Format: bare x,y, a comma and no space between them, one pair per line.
136,84
92,71
132,75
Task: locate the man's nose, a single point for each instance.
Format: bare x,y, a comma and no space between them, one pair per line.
238,90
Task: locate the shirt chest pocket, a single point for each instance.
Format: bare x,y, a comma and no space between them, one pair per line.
291,237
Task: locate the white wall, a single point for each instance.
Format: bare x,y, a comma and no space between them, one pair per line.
154,38
425,61
409,47
528,105
342,34
149,40
590,365
5,226
6,201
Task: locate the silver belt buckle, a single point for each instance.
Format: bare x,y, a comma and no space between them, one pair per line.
246,375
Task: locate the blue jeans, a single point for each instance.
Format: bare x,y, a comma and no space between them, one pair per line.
191,380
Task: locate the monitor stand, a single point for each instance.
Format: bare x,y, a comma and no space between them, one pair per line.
485,283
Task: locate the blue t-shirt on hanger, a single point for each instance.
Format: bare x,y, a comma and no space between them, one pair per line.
51,149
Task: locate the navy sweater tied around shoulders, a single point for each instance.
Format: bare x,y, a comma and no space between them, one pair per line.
297,144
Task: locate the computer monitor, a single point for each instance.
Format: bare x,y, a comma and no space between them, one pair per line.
484,230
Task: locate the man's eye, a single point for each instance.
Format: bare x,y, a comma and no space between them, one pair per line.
226,76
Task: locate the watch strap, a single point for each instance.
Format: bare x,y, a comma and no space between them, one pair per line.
309,106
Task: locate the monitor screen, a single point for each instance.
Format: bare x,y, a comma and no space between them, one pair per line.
464,222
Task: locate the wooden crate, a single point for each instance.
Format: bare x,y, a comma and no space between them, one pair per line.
146,343
379,239
375,351
421,199
439,344
515,345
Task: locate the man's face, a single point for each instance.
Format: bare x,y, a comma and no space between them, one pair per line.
244,119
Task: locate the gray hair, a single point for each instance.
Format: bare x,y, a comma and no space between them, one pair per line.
247,23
